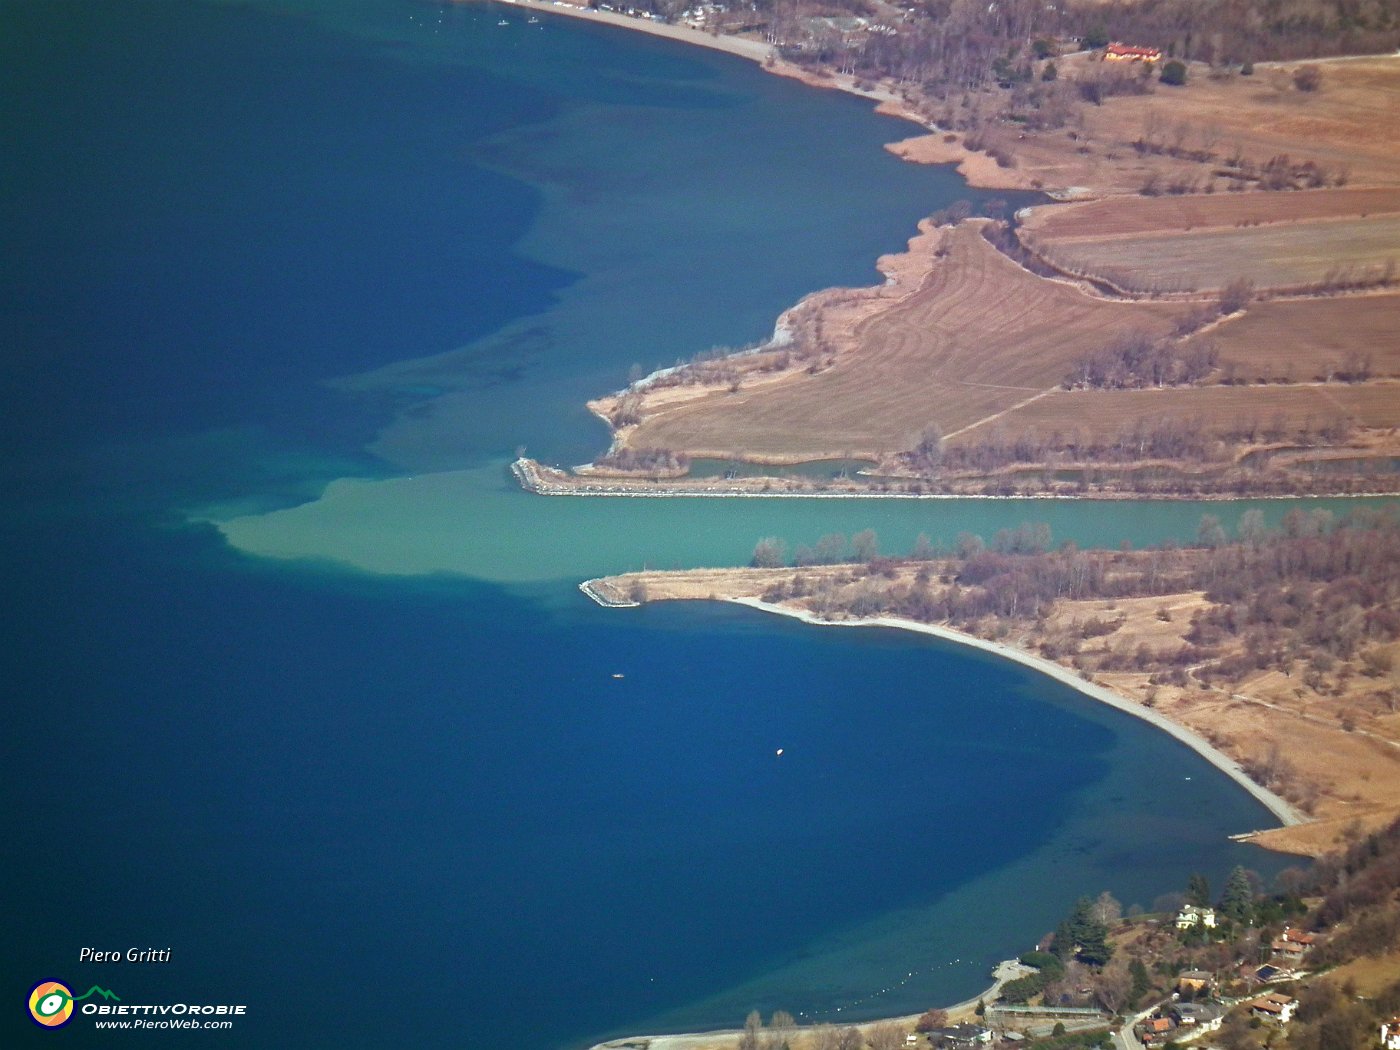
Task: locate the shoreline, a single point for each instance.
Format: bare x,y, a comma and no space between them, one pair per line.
1004,971
753,50
1282,810
927,146
760,52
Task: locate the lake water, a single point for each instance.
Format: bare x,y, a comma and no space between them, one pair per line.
367,768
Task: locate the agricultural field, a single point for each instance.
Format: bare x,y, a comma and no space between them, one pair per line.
977,337
1366,404
1346,129
1137,215
1308,339
1104,414
1283,256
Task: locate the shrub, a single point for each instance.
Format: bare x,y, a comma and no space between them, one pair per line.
1174,73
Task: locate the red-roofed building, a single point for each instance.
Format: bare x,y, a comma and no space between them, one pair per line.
1274,1007
1128,53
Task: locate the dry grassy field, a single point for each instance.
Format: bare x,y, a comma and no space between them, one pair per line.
1272,256
1370,974
1119,215
1368,404
980,336
1301,340
1102,414
1347,126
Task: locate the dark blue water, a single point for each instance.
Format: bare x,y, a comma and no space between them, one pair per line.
386,811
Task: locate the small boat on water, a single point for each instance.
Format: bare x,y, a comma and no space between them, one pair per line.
533,20
504,22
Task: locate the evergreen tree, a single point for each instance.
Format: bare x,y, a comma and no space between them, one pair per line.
1142,983
1083,936
1198,891
1237,902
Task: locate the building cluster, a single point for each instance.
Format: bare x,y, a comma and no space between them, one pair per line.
1178,1021
960,1036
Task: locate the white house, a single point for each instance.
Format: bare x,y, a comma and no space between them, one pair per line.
1390,1034
1274,1007
1193,914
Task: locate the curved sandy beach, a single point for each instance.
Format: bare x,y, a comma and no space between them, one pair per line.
1006,970
753,50
1286,814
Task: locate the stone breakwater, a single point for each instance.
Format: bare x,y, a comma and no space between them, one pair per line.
541,480
605,595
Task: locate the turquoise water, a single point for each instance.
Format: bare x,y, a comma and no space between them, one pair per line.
313,271
479,523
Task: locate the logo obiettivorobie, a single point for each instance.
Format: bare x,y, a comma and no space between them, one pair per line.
51,1003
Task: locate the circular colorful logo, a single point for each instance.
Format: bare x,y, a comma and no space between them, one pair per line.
50,1004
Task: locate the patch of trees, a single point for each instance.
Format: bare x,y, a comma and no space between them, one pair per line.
1101,82
1002,236
1174,445
832,549
1363,877
1048,968
930,1020
1158,139
1313,593
1354,277
657,461
781,1032
1252,30
1281,172
1183,439
1313,588
1136,360
1083,934
1307,78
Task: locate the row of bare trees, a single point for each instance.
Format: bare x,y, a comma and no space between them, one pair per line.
1137,360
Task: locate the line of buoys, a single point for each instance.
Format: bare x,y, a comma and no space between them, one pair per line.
815,1016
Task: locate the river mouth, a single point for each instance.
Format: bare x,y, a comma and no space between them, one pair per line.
374,744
